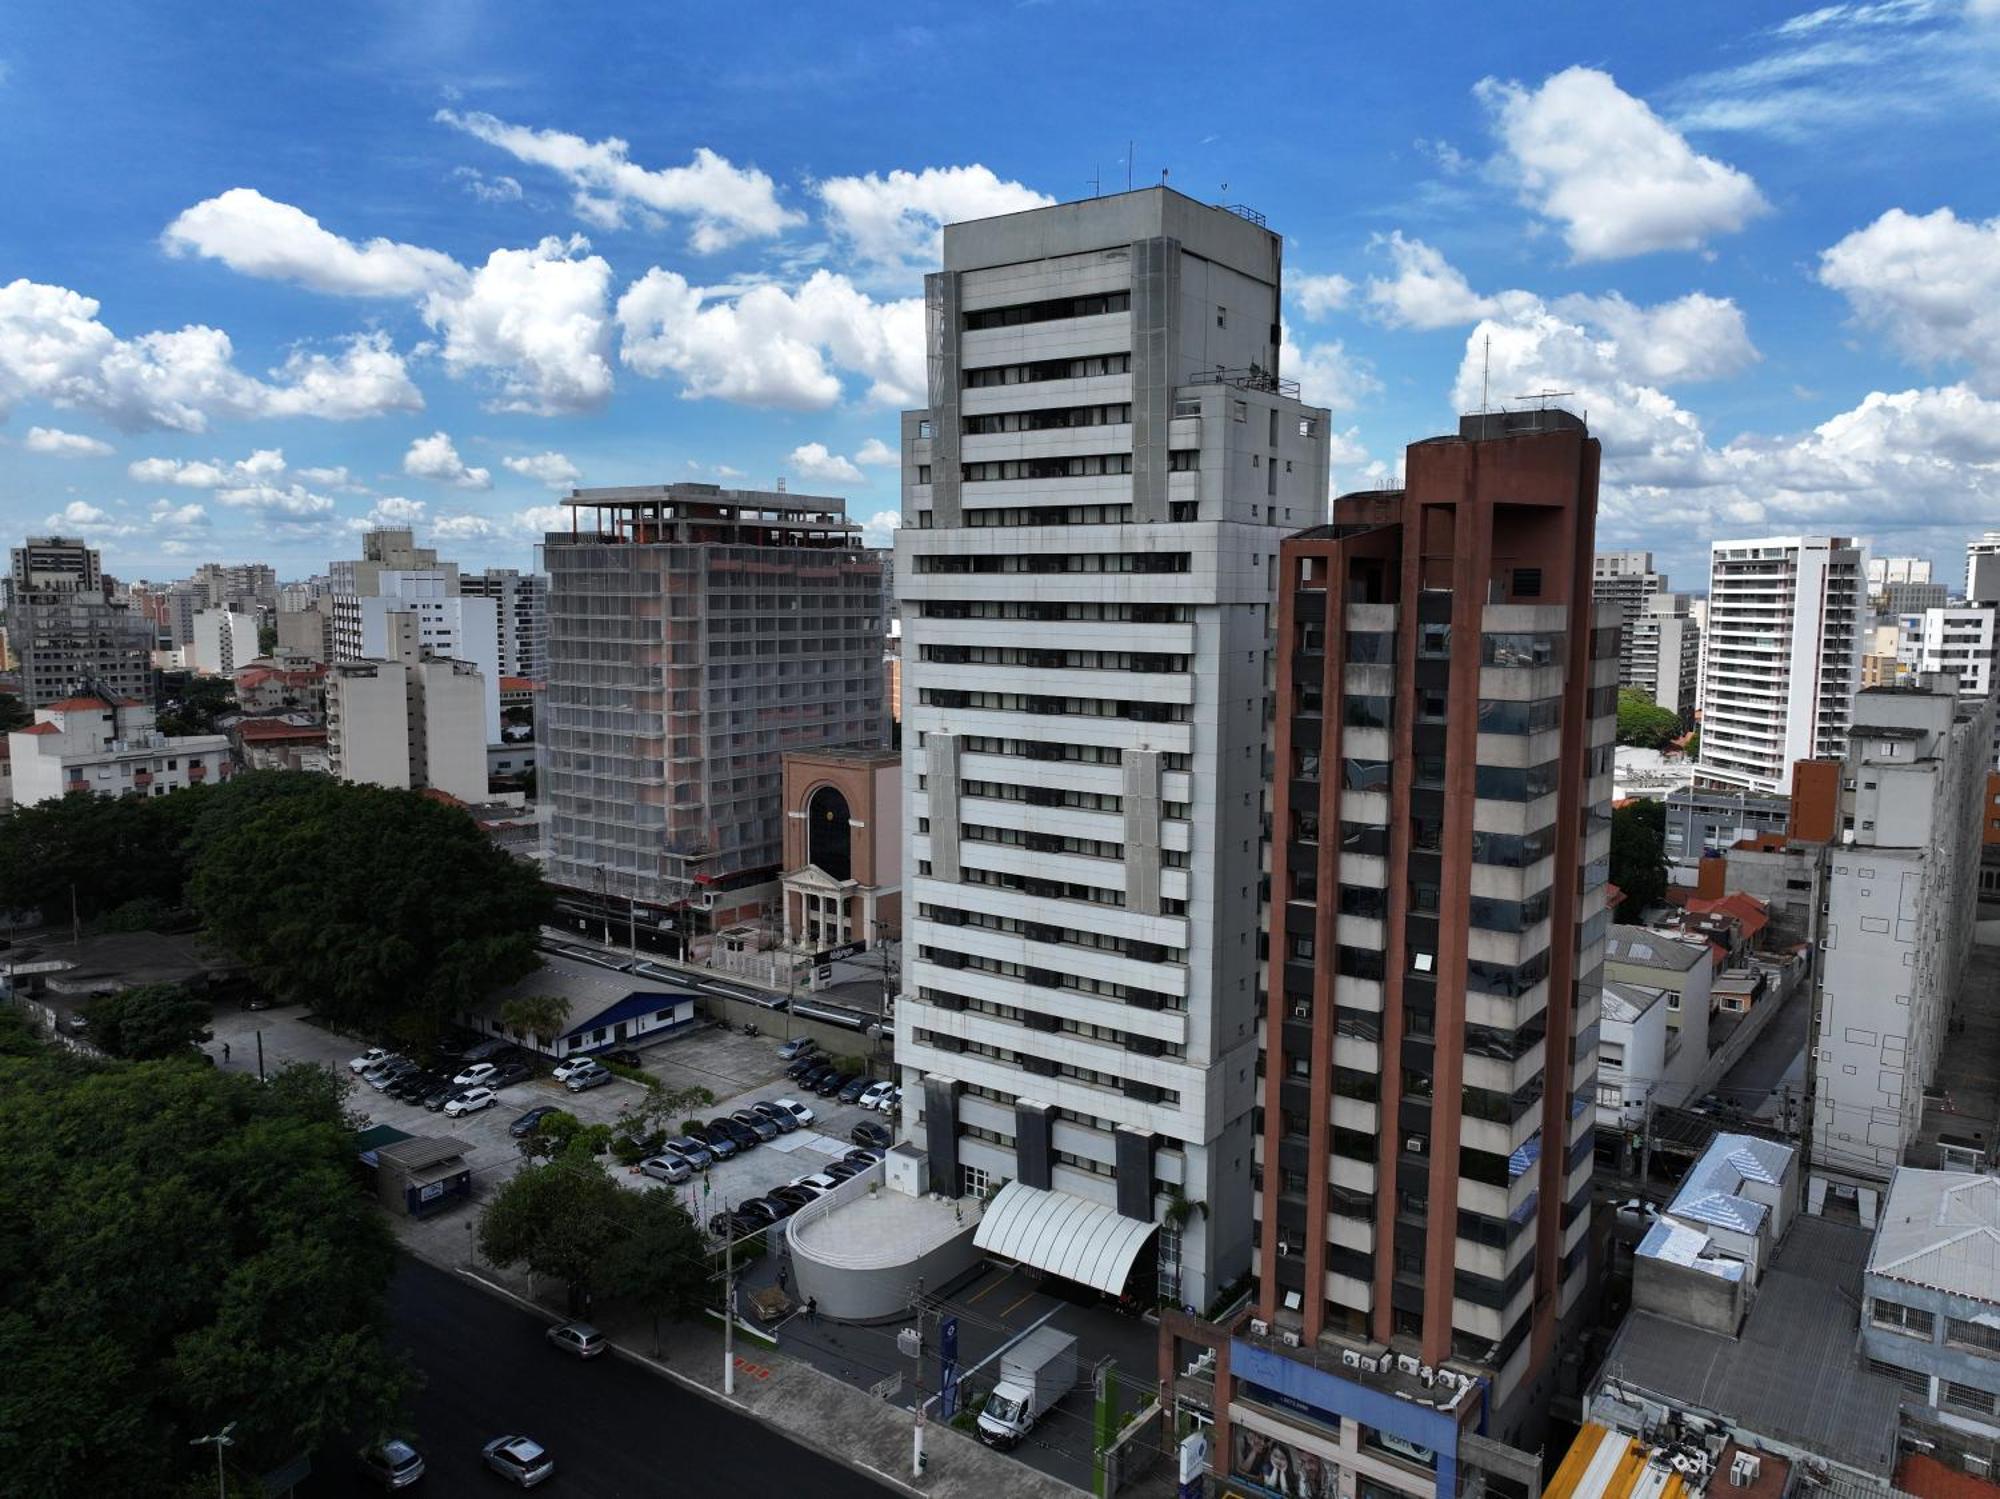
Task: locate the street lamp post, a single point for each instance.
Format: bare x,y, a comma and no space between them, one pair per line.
219,1441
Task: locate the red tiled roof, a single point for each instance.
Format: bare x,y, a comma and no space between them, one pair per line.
39,728
77,704
1928,1478
1749,912
268,731
519,684
443,797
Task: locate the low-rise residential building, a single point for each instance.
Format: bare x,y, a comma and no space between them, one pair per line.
109,747
1685,970
1933,1311
265,686
605,1009
1640,1058
1702,823
283,742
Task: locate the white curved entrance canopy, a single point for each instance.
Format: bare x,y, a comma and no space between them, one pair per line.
1064,1235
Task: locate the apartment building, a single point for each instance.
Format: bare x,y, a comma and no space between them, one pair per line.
389,561
1092,508
521,604
109,747
1900,883
69,636
413,724
1960,640
1786,633
243,587
307,632
1446,710
1982,569
1629,581
1661,655
695,634
1882,571
223,641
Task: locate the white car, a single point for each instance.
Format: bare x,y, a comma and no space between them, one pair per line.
471,1101
874,1095
374,1056
474,1075
819,1181
891,1101
796,1109
565,1068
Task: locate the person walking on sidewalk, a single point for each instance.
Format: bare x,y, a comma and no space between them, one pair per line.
812,1310
225,1051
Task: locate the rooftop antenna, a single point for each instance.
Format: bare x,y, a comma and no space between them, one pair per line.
1096,181
1543,397
1163,176
1486,376
1128,166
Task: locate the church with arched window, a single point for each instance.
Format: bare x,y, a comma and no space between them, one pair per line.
843,848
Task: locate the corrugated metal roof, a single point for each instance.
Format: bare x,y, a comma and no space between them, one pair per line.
1941,1229
1065,1235
420,1152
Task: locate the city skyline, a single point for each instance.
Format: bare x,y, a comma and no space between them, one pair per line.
461,289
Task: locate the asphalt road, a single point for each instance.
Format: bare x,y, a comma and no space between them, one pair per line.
1764,1063
617,1430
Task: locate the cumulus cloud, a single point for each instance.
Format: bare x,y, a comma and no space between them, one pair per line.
54,348
767,346
436,459
726,203
897,219
335,476
535,323
812,461
261,467
284,500
879,530
1327,374
64,444
81,518
395,512
876,453
552,469
177,517
1619,179
257,236
1318,296
487,188
1930,283
1427,291
464,527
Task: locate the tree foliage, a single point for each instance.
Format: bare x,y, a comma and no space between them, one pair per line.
1639,853
150,1022
182,1248
14,713
539,1015
194,704
1643,722
108,851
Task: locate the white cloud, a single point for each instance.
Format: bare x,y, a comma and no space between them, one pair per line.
257,236
395,512
54,348
897,220
876,453
812,461
435,458
64,444
1449,158
334,477
288,500
1427,291
487,188
1317,296
1327,374
1931,283
1619,179
552,469
538,520
463,528
263,466
727,203
81,518
536,321
767,346
178,517
1695,337
879,530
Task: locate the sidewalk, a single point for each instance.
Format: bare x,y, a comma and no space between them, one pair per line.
809,1406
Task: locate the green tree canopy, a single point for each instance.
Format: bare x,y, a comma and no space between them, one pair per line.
149,1023
539,1015
108,851
559,1219
183,1248
14,713
1643,722
1639,853
661,1262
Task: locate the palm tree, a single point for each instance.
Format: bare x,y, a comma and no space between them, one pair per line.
543,1015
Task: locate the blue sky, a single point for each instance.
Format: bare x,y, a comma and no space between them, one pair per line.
267,272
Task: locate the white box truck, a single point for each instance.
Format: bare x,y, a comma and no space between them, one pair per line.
1034,1374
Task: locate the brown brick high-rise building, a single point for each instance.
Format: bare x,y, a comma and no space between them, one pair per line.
1446,706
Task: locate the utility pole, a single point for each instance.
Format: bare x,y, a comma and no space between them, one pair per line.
1646,1143
219,1441
729,1311
632,916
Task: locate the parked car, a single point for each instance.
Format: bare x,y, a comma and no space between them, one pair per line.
891,1101
391,1072
804,1065
471,1101
393,1464
744,1139
693,1151
797,1047
872,1096
734,1226
525,1126
830,1085
784,1121
666,1167
522,1461
476,1075
579,1338
797,1194
868,1132
840,1171
780,1204
797,1110
373,1056
506,1074
588,1077
440,1095
569,1065
488,1049
819,1181
864,1157
854,1090
624,1057
754,1214
756,1123
814,1075
412,1087
721,1145
374,1075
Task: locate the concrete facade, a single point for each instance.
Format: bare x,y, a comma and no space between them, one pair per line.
1093,504
223,641
108,748
1662,654
307,632
68,636
1628,582
409,724
843,880
521,602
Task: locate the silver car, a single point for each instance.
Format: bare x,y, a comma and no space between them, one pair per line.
667,1168
521,1460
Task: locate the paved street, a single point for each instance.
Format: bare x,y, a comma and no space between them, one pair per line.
615,1428
1764,1065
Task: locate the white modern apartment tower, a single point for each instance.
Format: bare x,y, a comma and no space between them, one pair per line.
1660,653
1786,632
1628,580
397,601
522,604
223,640
1901,887
1092,509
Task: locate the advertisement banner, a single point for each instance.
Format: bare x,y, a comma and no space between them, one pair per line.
1272,1466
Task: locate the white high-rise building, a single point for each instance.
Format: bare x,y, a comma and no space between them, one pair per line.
522,604
1786,618
398,602
1092,510
413,723
1628,580
1660,653
223,640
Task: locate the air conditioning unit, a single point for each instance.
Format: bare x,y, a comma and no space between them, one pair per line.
1302,1012
1371,1366
1414,1145
1259,1328
1406,1364
1428,1375
1289,1338
1744,1469
1350,1358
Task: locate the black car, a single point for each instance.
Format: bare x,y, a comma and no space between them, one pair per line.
833,1083
804,1067
745,1137
851,1093
625,1057
868,1132
862,1157
509,1073
721,1144
816,1073
523,1127
780,1208
782,1118
840,1171
755,1214
798,1197
756,1123
439,1096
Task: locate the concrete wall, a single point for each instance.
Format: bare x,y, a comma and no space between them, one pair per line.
1688,1295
